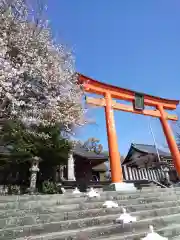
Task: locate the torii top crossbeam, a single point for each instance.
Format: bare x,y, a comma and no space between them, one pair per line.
100,88
109,93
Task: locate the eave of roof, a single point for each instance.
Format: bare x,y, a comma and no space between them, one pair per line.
100,167
151,149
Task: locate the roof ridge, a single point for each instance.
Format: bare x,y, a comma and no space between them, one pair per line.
143,144
160,149
152,145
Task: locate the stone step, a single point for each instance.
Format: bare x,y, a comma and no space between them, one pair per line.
171,232
98,204
47,231
32,198
100,215
70,216
103,211
78,200
24,198
76,213
91,204
176,238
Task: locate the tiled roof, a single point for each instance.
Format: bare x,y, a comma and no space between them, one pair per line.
150,149
144,149
81,151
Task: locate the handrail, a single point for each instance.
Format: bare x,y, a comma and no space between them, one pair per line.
158,183
146,181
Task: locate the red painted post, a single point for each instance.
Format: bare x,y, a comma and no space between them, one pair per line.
115,164
170,138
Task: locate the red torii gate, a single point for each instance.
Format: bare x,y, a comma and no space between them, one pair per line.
109,92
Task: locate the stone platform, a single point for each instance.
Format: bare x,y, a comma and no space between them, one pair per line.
69,216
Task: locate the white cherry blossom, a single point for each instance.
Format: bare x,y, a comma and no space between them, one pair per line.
153,235
92,193
37,76
63,190
76,191
110,204
125,217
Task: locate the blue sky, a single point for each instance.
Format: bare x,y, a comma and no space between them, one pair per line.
132,44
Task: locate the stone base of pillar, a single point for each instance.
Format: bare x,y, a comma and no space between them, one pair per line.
121,187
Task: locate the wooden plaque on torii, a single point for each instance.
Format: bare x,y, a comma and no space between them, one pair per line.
109,93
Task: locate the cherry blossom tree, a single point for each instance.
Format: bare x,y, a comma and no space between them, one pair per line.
38,83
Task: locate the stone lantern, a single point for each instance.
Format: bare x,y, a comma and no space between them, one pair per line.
34,170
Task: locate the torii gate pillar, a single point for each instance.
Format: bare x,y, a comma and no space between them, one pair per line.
170,138
116,170
109,92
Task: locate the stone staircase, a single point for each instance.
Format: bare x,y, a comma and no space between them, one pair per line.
69,216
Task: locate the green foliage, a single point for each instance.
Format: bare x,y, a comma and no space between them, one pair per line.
13,189
44,142
48,187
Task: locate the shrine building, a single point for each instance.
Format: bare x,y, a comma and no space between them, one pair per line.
147,162
84,164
